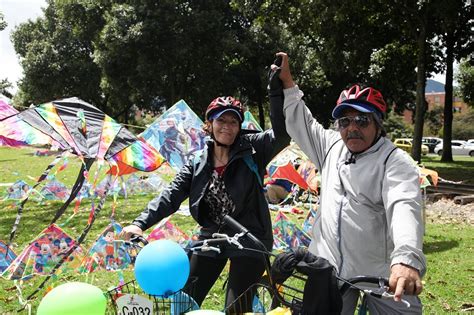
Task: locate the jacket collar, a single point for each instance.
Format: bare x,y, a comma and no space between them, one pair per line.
239,148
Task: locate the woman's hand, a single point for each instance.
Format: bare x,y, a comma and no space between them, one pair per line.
285,73
130,230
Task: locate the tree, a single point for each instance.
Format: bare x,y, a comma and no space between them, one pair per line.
5,85
191,50
3,24
465,79
57,54
456,23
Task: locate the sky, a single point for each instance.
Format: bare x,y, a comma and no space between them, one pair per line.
19,11
15,12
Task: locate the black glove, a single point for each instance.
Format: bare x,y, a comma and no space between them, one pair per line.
275,85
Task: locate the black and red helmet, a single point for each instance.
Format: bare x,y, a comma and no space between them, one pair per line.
223,104
368,100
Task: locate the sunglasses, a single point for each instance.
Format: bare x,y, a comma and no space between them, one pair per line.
361,121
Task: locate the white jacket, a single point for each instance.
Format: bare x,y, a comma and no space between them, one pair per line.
370,213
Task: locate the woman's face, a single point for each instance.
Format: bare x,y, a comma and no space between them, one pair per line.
226,128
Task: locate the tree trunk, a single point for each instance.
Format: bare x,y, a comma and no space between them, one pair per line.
420,93
447,155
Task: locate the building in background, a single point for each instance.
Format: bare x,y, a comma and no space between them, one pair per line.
435,95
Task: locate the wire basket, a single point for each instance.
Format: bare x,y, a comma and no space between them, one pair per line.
264,298
129,298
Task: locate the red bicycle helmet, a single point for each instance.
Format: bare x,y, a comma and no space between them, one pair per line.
368,100
223,104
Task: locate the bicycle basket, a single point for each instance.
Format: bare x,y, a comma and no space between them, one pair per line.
129,298
265,298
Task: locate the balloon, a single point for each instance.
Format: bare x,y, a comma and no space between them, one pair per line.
73,298
161,268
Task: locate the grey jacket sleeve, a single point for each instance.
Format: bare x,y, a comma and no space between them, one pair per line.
402,199
168,201
310,135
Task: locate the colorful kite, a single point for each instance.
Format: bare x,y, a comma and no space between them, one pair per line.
310,174
6,256
250,123
92,135
287,235
167,230
17,190
177,134
43,253
107,252
309,221
286,171
55,190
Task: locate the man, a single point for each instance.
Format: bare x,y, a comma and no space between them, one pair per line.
370,220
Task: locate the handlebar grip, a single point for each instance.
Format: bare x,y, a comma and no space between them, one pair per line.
231,222
137,239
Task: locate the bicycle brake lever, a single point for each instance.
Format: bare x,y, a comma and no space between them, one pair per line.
206,248
387,296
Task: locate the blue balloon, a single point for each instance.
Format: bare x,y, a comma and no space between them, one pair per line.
162,268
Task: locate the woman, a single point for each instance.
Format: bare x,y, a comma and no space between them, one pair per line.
219,181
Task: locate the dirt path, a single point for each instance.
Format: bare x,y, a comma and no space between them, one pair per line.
446,211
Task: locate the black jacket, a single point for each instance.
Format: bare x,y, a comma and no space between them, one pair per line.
243,186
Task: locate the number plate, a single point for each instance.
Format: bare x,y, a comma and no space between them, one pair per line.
134,304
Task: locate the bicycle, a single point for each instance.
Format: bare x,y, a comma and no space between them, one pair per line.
271,292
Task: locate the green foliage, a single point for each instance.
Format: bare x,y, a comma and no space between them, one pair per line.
434,122
396,127
56,54
3,23
463,125
465,79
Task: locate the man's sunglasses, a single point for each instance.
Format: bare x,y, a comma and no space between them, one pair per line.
361,121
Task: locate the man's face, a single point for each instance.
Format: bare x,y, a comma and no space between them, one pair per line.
358,137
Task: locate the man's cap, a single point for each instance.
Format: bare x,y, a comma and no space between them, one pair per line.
358,106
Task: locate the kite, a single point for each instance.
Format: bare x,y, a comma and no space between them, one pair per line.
177,134
250,123
15,132
107,252
309,220
43,253
310,174
92,135
6,256
55,190
286,171
287,235
17,191
167,230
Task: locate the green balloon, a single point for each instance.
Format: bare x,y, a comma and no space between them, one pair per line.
73,298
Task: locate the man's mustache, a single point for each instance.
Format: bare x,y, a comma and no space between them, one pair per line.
354,135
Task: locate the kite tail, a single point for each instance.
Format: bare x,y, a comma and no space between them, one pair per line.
73,247
25,199
75,189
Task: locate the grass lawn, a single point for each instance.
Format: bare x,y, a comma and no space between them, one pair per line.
448,247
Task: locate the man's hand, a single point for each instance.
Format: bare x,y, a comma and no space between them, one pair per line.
404,280
285,73
130,230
